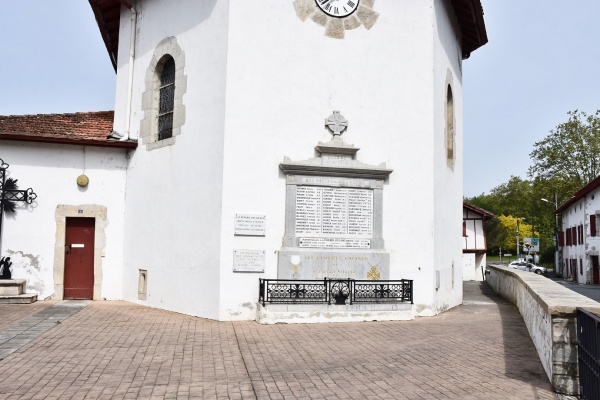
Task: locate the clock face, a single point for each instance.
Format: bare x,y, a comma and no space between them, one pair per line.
338,8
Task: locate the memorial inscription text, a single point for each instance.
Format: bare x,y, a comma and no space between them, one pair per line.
334,212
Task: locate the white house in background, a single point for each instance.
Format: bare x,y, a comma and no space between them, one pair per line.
222,98
474,242
579,235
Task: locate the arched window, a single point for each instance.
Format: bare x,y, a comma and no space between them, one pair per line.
166,99
162,100
449,125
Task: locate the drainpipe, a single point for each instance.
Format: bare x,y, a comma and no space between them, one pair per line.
130,75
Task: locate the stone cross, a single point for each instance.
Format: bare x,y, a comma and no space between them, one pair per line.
10,194
336,123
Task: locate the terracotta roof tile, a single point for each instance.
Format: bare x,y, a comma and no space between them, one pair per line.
84,125
90,128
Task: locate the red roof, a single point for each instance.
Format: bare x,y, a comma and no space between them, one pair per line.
469,14
89,128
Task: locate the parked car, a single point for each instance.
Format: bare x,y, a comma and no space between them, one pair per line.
527,266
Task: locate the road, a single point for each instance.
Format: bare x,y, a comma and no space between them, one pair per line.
591,291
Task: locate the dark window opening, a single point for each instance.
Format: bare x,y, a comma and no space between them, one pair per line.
166,100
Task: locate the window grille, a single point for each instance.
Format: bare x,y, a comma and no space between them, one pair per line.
166,100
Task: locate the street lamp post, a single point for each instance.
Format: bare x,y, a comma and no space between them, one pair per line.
518,220
517,238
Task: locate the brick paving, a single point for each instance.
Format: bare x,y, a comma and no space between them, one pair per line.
13,313
19,334
117,350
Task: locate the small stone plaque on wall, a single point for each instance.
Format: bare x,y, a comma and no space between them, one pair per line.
248,260
250,225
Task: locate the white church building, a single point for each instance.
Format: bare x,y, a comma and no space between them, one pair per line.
290,139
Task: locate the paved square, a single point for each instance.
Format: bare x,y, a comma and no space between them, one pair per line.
117,350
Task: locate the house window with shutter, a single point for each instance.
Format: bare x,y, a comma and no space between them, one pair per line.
593,225
561,238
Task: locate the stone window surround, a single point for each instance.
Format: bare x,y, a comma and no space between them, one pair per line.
150,98
87,210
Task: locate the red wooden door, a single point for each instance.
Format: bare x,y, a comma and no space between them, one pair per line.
595,271
79,258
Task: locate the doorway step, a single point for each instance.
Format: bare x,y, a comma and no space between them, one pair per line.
12,291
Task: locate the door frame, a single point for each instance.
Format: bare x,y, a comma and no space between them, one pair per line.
90,211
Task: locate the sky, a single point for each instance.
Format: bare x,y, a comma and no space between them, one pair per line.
542,60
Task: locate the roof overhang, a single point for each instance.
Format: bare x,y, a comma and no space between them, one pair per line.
469,14
472,25
582,193
484,213
58,140
108,17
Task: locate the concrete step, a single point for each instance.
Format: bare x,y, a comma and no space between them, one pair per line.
23,298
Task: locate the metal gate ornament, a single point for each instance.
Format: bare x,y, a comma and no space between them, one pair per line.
10,195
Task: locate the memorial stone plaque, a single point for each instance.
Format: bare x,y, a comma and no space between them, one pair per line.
248,260
250,225
334,214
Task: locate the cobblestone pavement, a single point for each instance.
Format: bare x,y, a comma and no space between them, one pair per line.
480,350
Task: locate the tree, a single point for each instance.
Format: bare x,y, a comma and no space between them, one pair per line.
571,152
509,225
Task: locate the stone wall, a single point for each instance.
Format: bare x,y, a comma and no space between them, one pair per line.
549,312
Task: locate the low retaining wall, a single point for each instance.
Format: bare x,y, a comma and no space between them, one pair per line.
549,311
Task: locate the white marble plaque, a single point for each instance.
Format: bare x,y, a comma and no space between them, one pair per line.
248,261
250,225
330,243
334,212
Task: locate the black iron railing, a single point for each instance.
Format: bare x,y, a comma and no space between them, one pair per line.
588,354
340,291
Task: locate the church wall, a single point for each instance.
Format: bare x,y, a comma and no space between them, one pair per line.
284,78
30,236
259,83
448,182
174,191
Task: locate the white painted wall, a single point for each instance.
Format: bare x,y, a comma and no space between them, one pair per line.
475,239
448,181
173,203
579,213
260,83
573,217
51,171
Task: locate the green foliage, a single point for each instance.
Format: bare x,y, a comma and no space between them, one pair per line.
562,163
508,225
571,152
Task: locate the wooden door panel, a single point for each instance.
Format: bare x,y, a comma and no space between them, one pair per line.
79,258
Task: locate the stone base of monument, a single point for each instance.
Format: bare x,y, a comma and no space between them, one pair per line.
319,313
12,291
